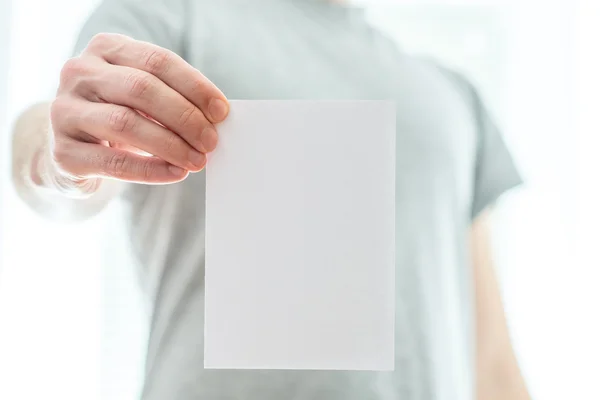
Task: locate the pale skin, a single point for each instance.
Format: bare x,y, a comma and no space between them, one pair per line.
122,99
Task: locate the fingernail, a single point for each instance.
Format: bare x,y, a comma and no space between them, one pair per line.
209,139
196,158
218,110
176,170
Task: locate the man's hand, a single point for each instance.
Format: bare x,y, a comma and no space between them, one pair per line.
123,100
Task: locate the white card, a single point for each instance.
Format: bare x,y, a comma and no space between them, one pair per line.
300,248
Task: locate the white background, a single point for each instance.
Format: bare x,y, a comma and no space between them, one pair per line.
71,323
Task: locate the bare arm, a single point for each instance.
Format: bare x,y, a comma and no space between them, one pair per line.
498,373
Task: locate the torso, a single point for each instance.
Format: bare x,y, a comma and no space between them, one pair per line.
299,49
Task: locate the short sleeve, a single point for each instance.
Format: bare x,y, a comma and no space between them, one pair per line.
495,171
162,22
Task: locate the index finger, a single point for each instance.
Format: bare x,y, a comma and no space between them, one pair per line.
166,66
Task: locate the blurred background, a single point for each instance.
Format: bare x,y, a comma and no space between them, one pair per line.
74,329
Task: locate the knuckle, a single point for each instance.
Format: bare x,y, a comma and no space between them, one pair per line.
60,154
73,68
157,62
101,40
197,86
188,115
148,169
63,116
139,84
116,164
63,158
170,144
58,110
106,44
122,120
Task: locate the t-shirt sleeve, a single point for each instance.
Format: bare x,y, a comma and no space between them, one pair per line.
495,171
162,22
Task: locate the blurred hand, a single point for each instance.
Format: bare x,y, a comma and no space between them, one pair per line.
132,111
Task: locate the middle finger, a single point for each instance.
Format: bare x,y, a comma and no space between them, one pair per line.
142,91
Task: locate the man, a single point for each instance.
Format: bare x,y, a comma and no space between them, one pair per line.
140,84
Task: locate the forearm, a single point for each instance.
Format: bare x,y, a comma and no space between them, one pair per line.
39,182
498,374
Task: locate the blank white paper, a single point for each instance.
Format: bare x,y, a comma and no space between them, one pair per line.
300,248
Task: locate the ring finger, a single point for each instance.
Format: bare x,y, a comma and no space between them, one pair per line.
121,124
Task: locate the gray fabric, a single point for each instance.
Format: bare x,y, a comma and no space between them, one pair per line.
451,163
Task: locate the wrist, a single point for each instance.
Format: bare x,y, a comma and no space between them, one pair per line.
33,173
45,173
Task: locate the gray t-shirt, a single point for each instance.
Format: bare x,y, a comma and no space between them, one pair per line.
451,163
